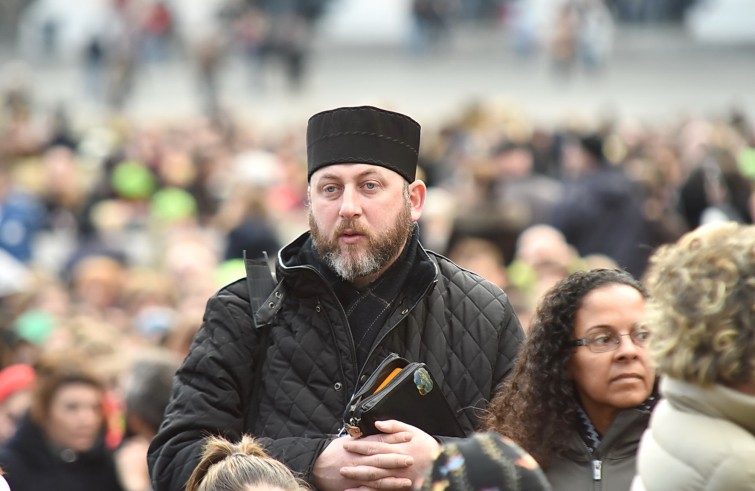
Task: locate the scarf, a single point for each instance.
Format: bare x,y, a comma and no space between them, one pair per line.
368,309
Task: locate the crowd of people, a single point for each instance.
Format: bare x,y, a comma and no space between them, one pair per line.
116,42
113,238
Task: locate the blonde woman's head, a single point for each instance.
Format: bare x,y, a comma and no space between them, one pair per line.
702,306
242,466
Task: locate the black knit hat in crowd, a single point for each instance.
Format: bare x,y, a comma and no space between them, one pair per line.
364,134
485,461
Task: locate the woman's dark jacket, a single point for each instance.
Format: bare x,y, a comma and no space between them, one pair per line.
32,464
458,323
609,467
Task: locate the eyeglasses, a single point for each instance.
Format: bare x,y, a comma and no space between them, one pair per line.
610,341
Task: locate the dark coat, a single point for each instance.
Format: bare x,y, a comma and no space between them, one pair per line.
612,465
601,213
31,464
458,323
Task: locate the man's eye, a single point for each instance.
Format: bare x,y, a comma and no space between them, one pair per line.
329,189
370,185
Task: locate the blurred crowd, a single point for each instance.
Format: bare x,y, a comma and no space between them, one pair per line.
114,41
113,235
120,45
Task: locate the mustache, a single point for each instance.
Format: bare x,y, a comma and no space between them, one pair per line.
350,224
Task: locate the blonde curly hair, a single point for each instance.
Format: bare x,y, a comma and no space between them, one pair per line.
702,306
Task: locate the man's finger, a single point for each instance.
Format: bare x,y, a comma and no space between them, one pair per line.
383,461
386,483
391,426
375,444
365,473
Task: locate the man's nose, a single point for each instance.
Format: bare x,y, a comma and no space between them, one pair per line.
350,203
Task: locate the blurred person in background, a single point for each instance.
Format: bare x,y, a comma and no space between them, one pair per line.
600,211
60,443
518,186
702,309
156,31
563,36
241,466
437,223
97,286
581,36
17,284
596,33
21,216
481,256
16,382
30,332
431,25
486,259
150,302
542,259
203,29
583,385
146,390
64,182
288,35
105,35
715,190
18,133
244,216
189,260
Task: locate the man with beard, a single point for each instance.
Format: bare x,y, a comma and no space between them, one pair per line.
355,288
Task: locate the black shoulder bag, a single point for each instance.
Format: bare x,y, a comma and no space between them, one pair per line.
261,285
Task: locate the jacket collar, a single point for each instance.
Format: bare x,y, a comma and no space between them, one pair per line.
299,257
715,400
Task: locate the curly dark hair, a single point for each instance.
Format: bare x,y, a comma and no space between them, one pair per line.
536,403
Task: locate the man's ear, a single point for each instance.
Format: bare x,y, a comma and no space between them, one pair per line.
417,195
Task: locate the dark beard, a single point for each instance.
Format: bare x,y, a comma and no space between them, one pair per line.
351,264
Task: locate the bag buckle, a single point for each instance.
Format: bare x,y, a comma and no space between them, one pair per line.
352,428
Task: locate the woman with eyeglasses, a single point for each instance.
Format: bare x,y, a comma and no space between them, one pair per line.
582,389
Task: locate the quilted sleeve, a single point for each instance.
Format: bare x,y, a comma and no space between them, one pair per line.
209,396
298,453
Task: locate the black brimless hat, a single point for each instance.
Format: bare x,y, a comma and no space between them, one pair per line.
364,134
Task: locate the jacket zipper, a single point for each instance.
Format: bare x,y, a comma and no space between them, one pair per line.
597,472
597,468
377,343
388,331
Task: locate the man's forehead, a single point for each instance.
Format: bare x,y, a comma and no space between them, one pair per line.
351,170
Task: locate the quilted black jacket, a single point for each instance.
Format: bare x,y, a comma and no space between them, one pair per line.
458,323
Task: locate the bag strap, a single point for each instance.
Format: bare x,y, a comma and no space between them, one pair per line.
260,283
